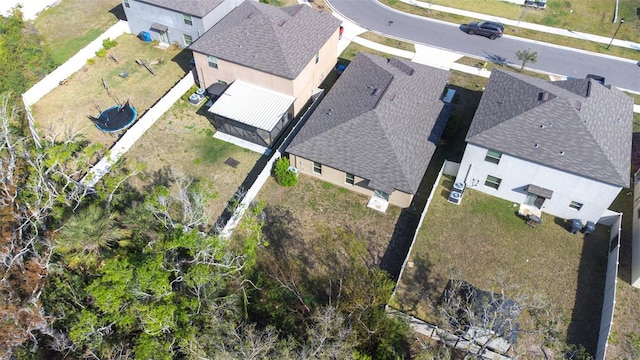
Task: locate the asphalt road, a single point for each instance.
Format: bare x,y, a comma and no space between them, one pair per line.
374,16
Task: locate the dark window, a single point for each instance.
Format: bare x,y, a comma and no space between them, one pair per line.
350,179
213,61
575,205
187,39
187,19
493,182
493,156
317,167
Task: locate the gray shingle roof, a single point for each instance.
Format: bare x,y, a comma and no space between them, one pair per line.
578,125
279,41
378,122
198,8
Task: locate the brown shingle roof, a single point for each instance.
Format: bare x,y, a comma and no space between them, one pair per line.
278,41
380,121
578,125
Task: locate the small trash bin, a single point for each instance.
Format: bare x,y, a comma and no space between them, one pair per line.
575,225
589,227
144,36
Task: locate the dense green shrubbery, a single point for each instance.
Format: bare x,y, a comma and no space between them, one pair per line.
23,61
284,176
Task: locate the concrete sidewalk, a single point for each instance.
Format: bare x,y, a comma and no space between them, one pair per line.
424,54
525,25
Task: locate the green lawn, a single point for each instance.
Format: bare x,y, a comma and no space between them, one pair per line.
590,16
490,66
183,141
353,49
387,41
483,241
73,24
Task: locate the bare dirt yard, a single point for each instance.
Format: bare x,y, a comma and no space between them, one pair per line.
483,241
84,93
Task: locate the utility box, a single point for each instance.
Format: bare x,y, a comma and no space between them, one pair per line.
575,225
589,228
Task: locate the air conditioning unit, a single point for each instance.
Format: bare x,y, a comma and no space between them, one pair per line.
459,186
456,193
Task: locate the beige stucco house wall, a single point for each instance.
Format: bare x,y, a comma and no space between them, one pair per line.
338,177
302,87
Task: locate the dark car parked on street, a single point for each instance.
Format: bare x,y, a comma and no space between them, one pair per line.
490,29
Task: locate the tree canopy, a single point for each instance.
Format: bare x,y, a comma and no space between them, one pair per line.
23,60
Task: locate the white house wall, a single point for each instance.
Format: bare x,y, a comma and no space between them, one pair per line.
141,15
517,174
218,13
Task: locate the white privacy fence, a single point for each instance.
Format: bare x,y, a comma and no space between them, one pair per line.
251,194
448,168
75,63
137,130
635,243
44,86
423,327
609,301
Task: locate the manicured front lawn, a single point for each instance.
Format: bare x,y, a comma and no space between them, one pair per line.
590,16
484,242
353,49
589,21
387,41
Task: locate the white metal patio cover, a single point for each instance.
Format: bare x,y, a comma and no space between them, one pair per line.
252,105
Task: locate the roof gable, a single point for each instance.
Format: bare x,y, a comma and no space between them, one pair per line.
580,126
279,41
377,122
